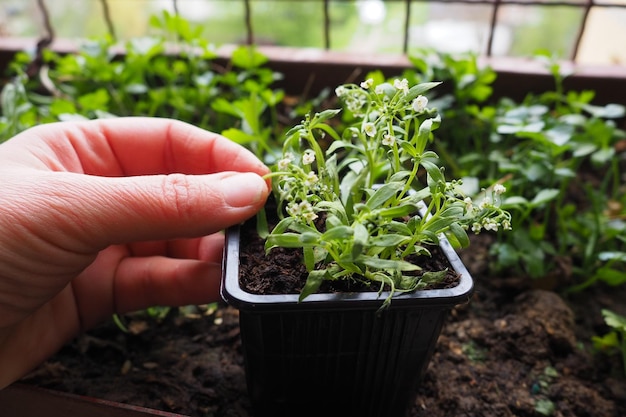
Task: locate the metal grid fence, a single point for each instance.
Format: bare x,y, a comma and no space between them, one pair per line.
586,6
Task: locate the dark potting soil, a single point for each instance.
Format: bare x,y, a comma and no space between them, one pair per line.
512,351
282,270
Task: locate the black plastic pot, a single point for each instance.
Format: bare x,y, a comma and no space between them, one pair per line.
334,354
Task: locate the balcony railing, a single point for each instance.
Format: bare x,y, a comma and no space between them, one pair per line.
330,66
495,7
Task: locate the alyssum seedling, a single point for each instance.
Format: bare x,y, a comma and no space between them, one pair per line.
349,196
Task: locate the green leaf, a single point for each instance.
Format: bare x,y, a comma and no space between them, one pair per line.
101,114
62,106
337,210
393,264
313,282
309,258
514,202
247,57
418,89
271,97
252,109
610,111
610,275
397,211
433,277
98,100
9,98
417,196
361,237
398,227
308,238
545,406
304,228
327,129
609,341
400,176
287,240
603,156
544,196
145,46
337,233
338,144
262,228
506,254
222,105
72,117
377,75
283,225
460,234
434,172
615,321
560,135
409,149
239,136
390,240
424,132
324,115
333,221
387,89
383,194
612,256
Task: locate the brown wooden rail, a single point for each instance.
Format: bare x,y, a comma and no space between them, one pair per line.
25,401
310,70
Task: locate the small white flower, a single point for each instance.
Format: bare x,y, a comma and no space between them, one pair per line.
476,228
311,179
367,83
469,204
419,104
303,210
283,164
308,157
506,225
355,102
305,206
379,90
402,85
486,203
370,129
293,209
309,216
341,91
389,140
490,224
499,189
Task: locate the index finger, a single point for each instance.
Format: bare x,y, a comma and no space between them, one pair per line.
139,146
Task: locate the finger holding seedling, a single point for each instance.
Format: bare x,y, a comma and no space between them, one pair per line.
112,216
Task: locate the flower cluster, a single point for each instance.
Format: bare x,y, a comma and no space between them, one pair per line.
368,184
487,214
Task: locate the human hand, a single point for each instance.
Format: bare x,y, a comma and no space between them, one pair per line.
111,216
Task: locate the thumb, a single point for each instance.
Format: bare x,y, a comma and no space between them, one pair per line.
91,212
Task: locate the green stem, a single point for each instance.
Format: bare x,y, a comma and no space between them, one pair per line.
274,174
409,180
319,153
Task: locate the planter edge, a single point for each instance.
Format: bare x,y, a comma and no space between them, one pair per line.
234,295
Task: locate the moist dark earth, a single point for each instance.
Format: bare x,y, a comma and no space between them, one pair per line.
514,350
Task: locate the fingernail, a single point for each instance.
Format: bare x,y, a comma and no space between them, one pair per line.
245,189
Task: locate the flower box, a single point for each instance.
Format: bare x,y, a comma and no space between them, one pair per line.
337,354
